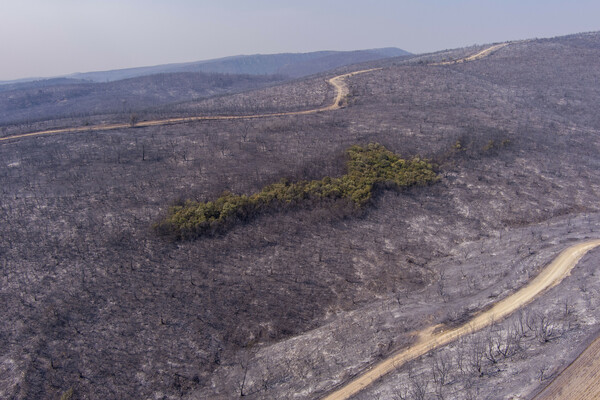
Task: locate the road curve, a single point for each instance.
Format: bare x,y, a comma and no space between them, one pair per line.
483,53
337,82
551,276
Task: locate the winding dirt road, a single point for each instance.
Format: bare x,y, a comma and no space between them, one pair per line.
477,56
337,82
551,276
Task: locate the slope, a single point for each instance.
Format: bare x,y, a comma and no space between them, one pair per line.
295,303
428,340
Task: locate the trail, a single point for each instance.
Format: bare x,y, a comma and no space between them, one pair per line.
579,381
337,82
477,56
551,276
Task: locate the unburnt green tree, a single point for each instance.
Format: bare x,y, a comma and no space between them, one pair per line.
368,167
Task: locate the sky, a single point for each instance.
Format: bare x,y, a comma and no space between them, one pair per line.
45,38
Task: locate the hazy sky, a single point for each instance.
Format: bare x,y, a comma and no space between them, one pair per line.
56,37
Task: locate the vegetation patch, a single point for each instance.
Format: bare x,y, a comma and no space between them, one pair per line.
368,168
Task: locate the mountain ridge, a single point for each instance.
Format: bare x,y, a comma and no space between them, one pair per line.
296,64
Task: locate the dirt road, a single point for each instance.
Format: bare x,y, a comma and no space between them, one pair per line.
477,56
337,82
581,379
551,276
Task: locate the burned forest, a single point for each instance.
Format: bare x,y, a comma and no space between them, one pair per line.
297,300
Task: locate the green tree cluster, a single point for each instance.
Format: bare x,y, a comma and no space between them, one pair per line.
368,167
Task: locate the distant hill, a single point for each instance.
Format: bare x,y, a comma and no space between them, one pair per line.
292,65
61,97
128,90
24,84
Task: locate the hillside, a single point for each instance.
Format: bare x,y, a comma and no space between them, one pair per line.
67,98
158,88
296,301
291,65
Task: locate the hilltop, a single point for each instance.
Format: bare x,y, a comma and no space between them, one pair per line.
291,65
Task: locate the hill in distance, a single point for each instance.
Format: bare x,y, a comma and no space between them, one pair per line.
293,65
134,89
62,97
